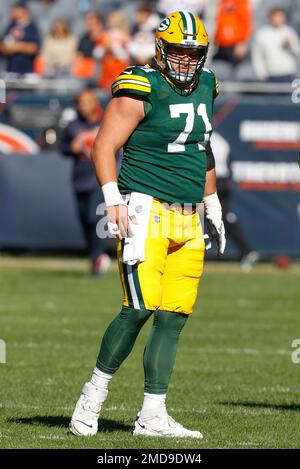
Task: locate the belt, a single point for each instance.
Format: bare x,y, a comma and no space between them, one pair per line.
182,209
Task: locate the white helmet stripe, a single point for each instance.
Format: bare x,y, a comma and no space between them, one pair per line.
188,19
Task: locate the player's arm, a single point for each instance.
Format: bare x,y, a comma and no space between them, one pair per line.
213,209
211,183
121,117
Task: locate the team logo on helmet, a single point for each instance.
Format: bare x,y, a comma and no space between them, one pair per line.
164,25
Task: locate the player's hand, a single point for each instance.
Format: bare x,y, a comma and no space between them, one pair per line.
118,221
214,222
217,234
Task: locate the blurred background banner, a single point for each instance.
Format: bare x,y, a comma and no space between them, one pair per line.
37,209
264,134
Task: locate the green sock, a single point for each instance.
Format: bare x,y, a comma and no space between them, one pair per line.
160,351
120,337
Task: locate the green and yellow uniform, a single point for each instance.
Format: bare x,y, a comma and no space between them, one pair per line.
165,157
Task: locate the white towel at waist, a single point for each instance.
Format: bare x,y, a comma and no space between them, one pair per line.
134,247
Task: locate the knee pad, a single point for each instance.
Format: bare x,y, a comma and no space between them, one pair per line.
134,318
170,322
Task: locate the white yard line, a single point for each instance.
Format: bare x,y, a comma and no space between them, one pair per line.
245,443
240,351
26,406
212,409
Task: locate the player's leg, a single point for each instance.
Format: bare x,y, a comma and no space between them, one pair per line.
117,343
180,283
182,275
142,294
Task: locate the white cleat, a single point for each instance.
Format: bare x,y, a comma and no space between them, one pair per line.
159,423
84,421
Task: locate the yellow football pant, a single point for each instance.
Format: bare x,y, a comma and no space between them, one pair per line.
168,279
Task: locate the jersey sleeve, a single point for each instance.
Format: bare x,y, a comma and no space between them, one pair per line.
132,81
210,158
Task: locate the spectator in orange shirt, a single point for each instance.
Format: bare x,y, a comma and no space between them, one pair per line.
233,30
116,56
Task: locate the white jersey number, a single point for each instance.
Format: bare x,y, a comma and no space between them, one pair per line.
175,111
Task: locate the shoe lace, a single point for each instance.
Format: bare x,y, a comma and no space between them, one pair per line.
92,407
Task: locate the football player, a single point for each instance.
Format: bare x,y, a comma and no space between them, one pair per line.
161,116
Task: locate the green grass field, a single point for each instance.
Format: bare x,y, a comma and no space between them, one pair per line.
234,378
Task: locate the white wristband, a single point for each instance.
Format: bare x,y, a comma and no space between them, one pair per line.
212,206
112,194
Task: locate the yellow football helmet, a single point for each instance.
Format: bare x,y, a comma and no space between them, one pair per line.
181,32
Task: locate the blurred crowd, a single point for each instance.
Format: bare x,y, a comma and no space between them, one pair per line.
96,39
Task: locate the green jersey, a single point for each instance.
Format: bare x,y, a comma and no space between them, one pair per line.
165,155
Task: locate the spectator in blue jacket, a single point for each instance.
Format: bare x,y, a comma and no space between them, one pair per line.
76,142
21,41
